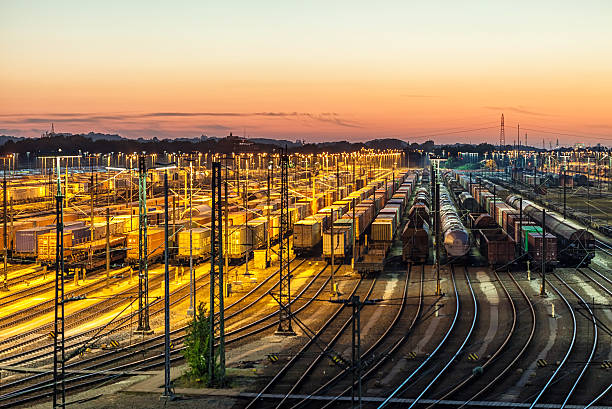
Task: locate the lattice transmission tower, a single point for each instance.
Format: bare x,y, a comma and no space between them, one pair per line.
502,133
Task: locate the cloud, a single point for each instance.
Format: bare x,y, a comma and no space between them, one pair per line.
519,109
185,114
417,96
96,118
11,131
599,126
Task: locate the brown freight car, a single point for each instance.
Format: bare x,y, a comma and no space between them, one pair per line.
415,243
496,246
535,248
155,244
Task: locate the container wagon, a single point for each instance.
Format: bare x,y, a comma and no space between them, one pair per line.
307,236
343,242
155,245
26,241
239,241
200,243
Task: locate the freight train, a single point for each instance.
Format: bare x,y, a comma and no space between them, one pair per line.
386,225
371,211
495,245
313,234
567,244
456,237
415,236
575,246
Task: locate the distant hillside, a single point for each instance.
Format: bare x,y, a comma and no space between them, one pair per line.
5,138
92,142
277,142
103,136
386,144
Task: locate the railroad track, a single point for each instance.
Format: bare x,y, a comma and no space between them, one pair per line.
155,306
492,357
338,383
72,320
591,350
46,307
459,351
14,296
367,315
603,247
602,279
500,364
401,387
316,345
589,381
153,344
142,344
556,372
156,309
17,279
262,324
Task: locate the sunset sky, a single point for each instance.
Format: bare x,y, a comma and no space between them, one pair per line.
315,70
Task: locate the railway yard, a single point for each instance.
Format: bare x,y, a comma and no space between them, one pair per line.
409,287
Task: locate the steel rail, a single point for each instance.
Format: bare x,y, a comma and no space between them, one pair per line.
593,347
339,333
177,352
432,354
494,356
383,358
569,350
460,350
602,276
311,341
520,353
159,337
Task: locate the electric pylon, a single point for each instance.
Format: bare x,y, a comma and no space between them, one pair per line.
502,133
59,373
284,294
143,268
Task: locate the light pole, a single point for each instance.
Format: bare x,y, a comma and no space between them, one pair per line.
168,394
5,232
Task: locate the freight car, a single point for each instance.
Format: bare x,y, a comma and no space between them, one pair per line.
26,241
576,246
384,229
92,254
352,216
468,202
496,246
307,236
200,243
415,235
239,241
155,245
26,194
456,237
342,242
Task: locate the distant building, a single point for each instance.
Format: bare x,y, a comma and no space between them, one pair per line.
48,134
240,144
